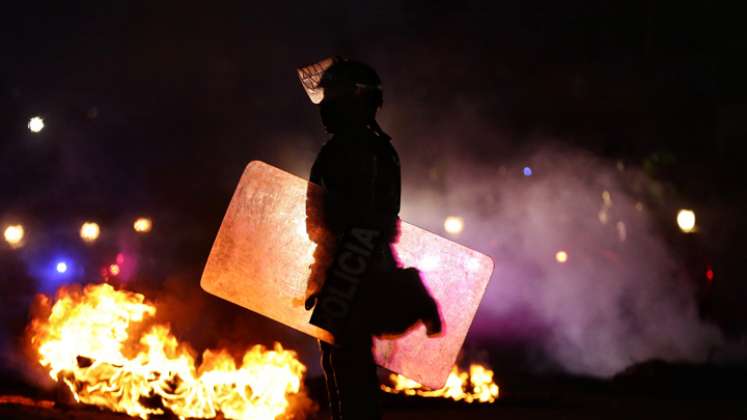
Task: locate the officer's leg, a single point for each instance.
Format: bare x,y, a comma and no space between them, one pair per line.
357,383
330,379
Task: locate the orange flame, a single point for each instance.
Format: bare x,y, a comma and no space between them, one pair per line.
89,342
477,385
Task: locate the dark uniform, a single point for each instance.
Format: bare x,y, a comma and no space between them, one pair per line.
360,173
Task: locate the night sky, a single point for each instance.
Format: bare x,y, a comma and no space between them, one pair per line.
156,107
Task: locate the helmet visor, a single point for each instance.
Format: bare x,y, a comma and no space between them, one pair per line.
311,77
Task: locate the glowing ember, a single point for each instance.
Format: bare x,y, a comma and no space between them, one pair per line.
87,341
25,401
477,385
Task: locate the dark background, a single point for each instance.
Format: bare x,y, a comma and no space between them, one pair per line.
156,107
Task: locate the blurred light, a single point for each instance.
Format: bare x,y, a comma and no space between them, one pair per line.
14,235
120,258
709,274
620,166
621,231
89,231
143,225
686,220
607,198
603,216
561,256
639,206
114,269
454,225
527,171
61,267
428,263
36,124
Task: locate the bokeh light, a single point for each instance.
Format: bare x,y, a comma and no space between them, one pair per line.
142,225
114,269
607,198
527,171
686,220
561,256
622,232
90,231
61,267
454,225
36,124
709,275
14,235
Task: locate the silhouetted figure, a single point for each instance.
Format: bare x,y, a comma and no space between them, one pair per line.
354,225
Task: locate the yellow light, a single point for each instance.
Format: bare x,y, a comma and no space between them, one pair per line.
89,231
143,225
454,225
14,235
622,232
561,256
686,220
114,269
602,215
36,124
607,198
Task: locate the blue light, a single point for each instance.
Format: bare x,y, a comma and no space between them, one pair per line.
52,268
61,267
527,171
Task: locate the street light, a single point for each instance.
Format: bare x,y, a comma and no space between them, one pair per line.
14,235
686,220
142,225
36,124
90,231
454,225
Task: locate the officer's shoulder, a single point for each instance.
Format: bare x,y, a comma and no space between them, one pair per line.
330,146
386,146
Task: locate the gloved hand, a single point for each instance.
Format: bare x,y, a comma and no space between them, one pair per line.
311,301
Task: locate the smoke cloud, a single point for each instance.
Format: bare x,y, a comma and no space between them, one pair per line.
620,298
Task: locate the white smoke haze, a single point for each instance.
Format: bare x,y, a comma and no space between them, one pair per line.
621,297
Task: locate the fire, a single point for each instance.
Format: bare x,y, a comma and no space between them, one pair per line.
94,341
475,385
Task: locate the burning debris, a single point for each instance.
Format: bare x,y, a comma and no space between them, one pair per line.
25,401
96,342
475,385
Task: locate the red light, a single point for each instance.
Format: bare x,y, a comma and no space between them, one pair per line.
709,274
120,258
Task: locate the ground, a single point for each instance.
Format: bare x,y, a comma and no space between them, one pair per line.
654,390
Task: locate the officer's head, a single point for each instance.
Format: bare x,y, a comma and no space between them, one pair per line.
352,95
